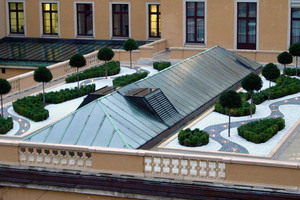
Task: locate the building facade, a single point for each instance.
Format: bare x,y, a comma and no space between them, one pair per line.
262,25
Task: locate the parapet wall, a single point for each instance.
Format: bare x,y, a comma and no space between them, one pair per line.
141,163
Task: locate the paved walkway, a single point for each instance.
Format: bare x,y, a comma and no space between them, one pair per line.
229,146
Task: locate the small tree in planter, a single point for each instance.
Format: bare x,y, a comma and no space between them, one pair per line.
44,75
285,58
105,54
5,87
270,72
250,83
77,60
230,99
130,45
295,51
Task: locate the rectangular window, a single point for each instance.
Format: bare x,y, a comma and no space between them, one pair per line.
85,19
154,21
246,25
295,25
195,22
50,18
3,71
16,18
120,20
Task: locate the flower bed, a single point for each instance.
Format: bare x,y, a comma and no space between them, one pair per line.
262,130
113,68
127,79
192,138
5,125
32,107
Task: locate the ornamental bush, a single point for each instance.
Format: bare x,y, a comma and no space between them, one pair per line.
161,65
262,130
93,72
5,125
244,110
290,86
32,107
127,79
292,71
192,138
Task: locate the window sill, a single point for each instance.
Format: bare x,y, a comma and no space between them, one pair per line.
154,38
50,36
85,37
16,35
195,45
120,38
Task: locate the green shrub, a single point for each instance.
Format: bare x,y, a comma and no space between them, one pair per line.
6,125
93,72
193,138
127,79
32,107
244,110
262,130
291,86
292,71
161,65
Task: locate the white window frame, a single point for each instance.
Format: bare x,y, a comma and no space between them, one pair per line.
7,17
75,20
111,21
257,22
147,20
296,5
41,20
205,25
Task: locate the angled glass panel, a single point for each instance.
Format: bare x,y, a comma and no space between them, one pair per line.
104,134
92,126
41,136
77,125
58,130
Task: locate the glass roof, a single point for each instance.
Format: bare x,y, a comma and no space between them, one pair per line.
114,121
42,52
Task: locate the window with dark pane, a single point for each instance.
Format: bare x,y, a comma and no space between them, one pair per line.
195,22
50,18
295,25
16,18
246,25
120,20
85,19
154,21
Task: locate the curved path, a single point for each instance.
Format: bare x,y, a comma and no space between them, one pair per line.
229,146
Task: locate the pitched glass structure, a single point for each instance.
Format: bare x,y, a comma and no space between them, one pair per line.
116,121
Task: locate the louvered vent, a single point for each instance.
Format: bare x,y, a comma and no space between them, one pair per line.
155,102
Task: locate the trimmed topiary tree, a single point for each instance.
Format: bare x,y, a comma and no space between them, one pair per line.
105,54
230,99
285,58
250,83
77,60
130,45
295,51
5,87
44,75
270,72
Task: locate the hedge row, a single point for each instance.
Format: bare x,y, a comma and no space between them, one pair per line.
244,110
262,130
291,86
32,107
113,68
192,138
68,94
161,65
292,71
127,79
6,125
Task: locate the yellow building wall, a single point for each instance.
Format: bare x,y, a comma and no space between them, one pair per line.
273,24
220,27
2,19
172,22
